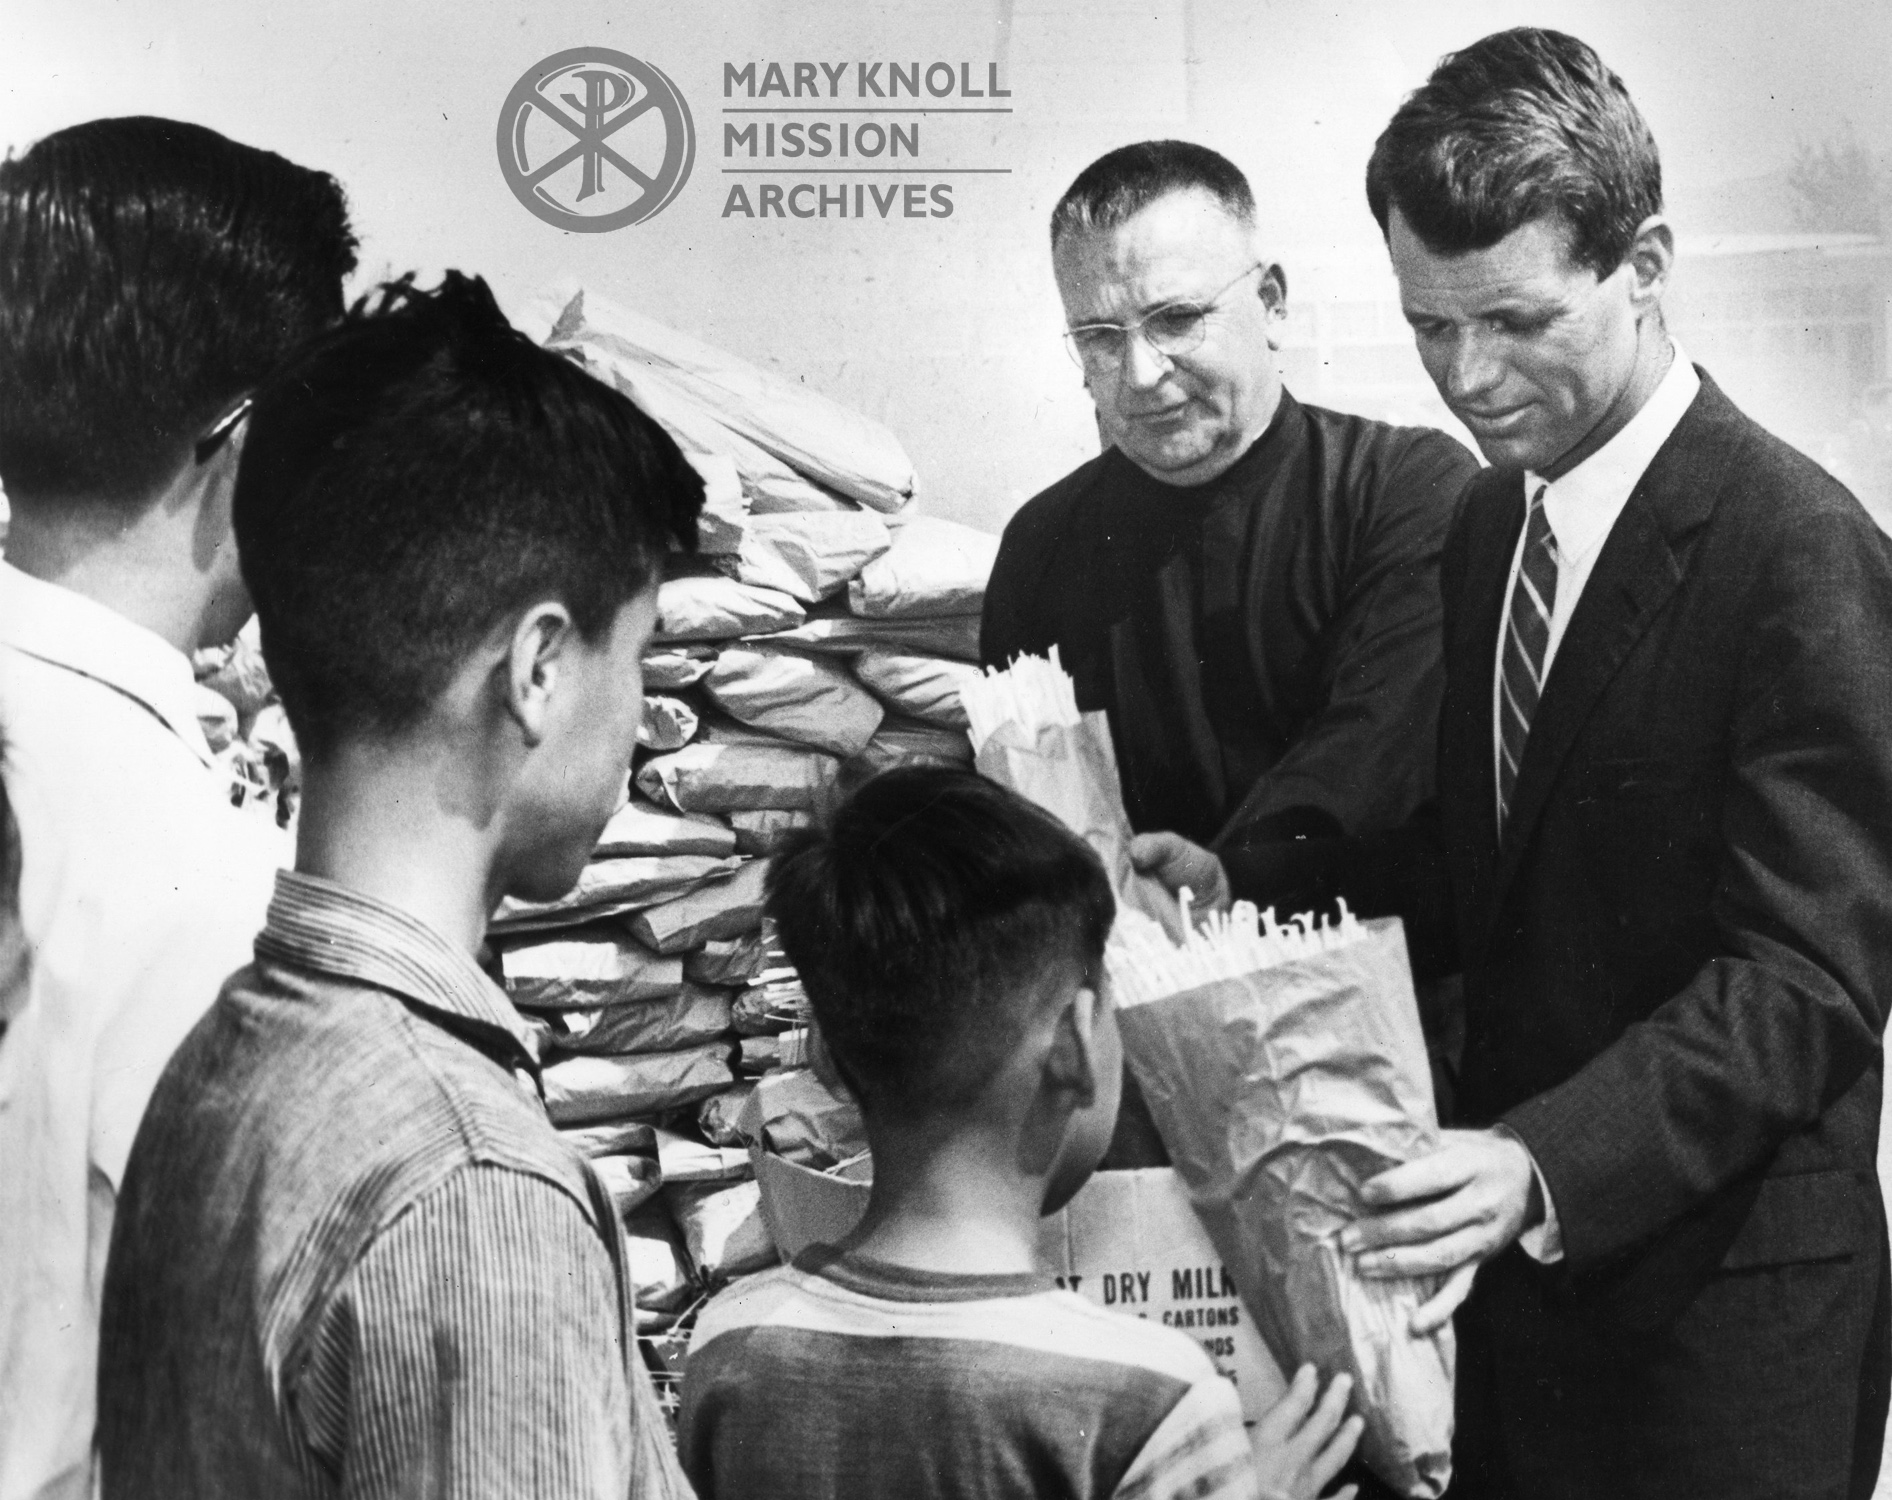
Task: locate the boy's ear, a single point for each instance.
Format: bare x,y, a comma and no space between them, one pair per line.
1071,1065
534,657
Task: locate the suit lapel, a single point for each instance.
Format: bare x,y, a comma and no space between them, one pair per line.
1636,574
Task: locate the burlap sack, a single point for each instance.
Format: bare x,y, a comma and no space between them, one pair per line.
808,555
819,438
586,1090
585,967
691,1016
630,1180
710,607
642,827
801,698
764,830
609,886
921,687
934,567
731,961
723,1229
901,741
613,1138
953,636
726,909
706,777
668,668
668,723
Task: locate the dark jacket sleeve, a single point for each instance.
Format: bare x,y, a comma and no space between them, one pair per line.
1784,1020
1366,758
1014,620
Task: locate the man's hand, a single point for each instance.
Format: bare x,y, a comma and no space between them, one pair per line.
1301,1445
1173,862
1445,1215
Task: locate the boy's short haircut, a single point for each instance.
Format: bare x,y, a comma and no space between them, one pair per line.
918,916
1522,125
421,472
150,273
1120,184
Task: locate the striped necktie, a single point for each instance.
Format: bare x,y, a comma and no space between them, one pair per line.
1526,642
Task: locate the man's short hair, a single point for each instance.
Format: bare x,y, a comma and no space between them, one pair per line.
150,273
919,916
1523,125
419,473
1124,182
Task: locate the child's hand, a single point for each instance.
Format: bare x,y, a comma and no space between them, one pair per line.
1302,1444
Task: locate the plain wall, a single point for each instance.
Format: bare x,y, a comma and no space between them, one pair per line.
947,329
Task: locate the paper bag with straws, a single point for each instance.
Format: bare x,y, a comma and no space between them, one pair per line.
1283,1065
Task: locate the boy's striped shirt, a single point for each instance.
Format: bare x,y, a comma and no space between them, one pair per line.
845,1377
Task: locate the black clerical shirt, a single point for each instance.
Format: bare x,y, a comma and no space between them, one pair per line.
1266,644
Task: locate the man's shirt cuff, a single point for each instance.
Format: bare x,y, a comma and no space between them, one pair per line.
1543,1241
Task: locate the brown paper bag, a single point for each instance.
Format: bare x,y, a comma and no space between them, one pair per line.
1280,1082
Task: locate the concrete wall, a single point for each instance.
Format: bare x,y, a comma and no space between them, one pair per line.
945,328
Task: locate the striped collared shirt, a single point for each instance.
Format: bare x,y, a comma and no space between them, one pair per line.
352,1257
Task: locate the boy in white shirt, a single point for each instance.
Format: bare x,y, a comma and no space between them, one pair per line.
151,272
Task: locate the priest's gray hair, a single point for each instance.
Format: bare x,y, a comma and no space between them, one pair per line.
1121,183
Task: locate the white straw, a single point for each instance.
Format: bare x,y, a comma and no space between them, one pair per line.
1146,965
1035,692
1031,692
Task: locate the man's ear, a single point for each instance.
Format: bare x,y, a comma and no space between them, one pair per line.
530,672
1273,292
210,486
1071,1066
1651,262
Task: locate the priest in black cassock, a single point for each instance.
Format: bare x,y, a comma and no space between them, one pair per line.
1248,586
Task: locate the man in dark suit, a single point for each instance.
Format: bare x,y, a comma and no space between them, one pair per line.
1665,798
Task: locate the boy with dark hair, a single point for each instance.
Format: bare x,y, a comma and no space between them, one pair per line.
950,936
353,1256
150,273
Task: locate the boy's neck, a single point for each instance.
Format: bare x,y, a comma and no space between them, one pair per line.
393,824
950,1199
154,564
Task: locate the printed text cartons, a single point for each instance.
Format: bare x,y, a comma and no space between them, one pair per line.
1283,1068
1129,1241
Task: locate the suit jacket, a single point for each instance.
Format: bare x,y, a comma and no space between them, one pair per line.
1678,959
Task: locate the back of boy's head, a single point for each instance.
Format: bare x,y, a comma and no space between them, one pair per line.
150,273
920,916
421,473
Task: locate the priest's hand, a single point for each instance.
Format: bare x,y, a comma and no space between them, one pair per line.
1445,1215
1175,864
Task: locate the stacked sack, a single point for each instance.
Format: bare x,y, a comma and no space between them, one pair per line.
823,633
247,731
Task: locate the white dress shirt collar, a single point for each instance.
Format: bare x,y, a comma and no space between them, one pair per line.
1583,505
68,630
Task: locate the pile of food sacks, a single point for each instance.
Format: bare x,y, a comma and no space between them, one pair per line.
822,633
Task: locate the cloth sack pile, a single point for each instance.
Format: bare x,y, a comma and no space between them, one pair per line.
249,736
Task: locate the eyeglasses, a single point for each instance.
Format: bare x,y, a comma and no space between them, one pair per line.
214,439
1172,329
